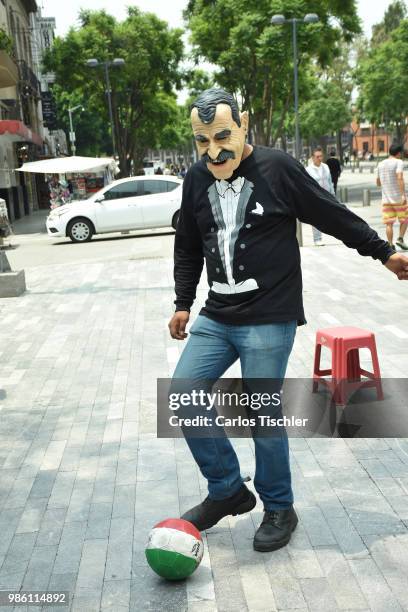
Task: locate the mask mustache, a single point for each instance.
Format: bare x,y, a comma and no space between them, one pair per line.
223,156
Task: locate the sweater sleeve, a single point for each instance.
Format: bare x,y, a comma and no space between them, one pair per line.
188,251
312,204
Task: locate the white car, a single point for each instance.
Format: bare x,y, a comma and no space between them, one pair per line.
138,202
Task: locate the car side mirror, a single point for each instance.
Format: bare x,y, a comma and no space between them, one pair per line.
100,198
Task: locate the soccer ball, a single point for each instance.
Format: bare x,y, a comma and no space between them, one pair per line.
174,549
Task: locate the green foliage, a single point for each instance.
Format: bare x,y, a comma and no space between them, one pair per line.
395,13
197,81
176,135
328,108
6,42
383,80
254,58
92,137
327,112
142,90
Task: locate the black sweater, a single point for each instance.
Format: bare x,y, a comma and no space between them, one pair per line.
247,235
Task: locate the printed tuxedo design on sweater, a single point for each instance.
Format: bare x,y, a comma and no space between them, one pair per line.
245,230
228,204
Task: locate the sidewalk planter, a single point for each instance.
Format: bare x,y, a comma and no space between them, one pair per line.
12,284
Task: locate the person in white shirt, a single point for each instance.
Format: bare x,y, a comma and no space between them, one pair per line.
390,178
321,173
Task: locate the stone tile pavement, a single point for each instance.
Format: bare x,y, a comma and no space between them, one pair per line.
83,477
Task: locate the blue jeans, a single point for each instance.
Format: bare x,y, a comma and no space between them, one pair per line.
264,352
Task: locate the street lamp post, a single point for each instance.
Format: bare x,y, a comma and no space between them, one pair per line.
281,20
118,61
71,127
296,89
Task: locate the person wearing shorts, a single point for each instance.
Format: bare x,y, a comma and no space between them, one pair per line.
390,178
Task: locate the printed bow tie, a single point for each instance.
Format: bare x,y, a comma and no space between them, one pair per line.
223,186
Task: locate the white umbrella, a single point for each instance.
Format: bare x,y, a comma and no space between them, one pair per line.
73,164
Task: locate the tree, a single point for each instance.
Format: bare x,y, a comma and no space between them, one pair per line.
89,124
328,111
196,81
395,13
383,81
178,136
254,58
143,99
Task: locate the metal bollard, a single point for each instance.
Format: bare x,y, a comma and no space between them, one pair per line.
360,169
343,194
366,197
299,232
372,170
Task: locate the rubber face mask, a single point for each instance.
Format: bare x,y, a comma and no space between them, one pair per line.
221,142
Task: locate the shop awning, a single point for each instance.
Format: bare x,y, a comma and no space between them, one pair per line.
19,131
73,164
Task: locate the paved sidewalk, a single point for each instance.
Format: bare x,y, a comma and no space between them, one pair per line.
83,478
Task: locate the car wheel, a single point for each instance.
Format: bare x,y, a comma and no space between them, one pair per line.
80,230
175,219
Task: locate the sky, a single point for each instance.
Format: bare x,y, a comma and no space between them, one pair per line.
371,11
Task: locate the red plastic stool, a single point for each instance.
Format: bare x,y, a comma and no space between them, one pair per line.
346,372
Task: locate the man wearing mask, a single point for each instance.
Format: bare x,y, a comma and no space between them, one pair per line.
239,209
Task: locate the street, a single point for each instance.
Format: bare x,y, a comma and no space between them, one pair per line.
35,248
84,478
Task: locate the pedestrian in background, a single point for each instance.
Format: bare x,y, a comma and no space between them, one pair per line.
335,168
321,173
390,178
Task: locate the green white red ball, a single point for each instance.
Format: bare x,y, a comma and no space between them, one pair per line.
174,549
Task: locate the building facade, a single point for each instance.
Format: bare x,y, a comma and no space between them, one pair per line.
43,34
23,136
370,139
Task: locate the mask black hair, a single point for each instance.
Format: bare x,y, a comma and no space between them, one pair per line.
206,104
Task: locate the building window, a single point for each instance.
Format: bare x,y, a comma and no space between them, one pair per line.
381,146
19,38
365,146
365,131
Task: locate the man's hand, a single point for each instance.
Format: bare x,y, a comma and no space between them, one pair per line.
398,264
178,322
